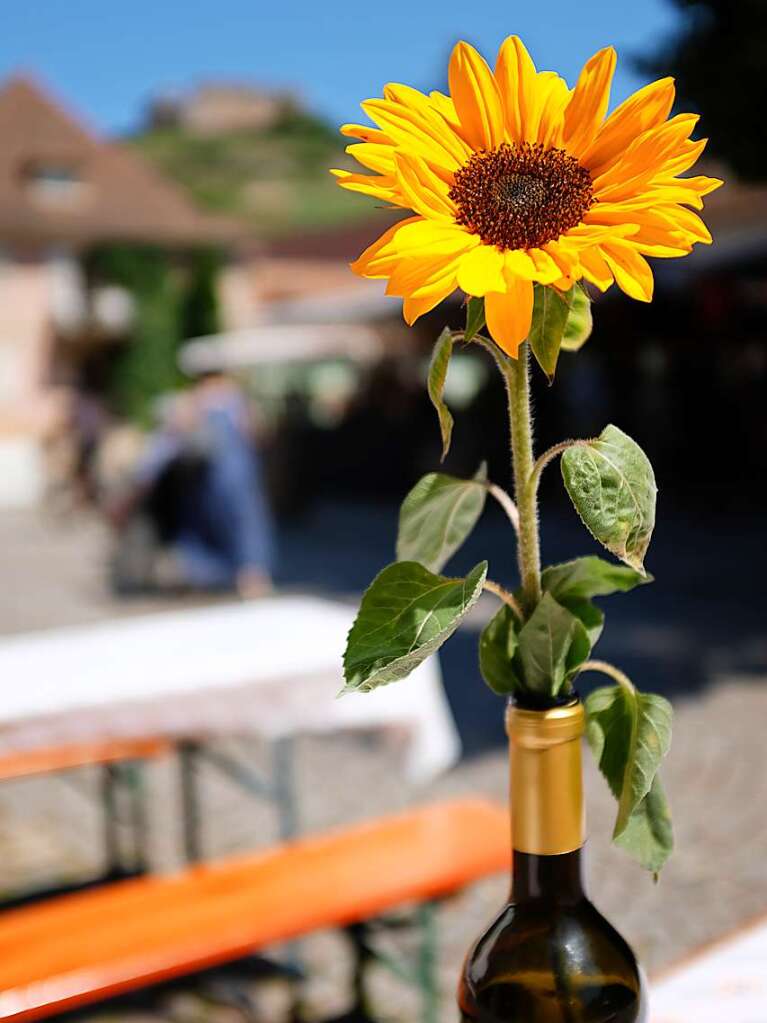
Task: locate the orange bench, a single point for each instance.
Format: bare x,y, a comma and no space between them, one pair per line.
24,763
79,949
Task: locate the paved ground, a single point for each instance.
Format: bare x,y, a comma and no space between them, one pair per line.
716,778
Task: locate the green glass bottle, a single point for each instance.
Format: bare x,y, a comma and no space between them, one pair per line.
550,956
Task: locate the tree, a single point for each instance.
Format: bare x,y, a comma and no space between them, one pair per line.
718,58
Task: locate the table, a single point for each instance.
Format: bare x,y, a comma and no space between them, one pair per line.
724,983
270,667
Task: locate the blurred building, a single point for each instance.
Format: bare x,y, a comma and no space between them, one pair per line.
218,108
62,192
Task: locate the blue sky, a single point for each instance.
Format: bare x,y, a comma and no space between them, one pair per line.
106,59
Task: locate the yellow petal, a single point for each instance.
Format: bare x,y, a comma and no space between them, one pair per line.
426,193
379,186
362,265
631,271
477,98
588,106
595,269
647,108
516,77
365,133
412,307
374,156
546,270
411,130
444,106
481,270
509,315
519,264
417,238
644,159
555,98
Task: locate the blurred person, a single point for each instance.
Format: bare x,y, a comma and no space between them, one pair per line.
196,517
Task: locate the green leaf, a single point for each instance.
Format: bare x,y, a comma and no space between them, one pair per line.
544,644
579,321
406,614
497,645
437,516
580,648
589,615
440,360
611,483
630,734
649,835
550,310
589,577
475,318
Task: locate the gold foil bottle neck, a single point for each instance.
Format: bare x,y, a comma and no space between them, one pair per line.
546,779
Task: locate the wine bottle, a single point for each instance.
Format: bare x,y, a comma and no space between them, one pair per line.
550,956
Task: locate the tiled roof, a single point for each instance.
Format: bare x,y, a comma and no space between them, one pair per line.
61,184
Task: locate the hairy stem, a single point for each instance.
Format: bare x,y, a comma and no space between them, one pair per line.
505,596
605,668
517,378
548,456
506,503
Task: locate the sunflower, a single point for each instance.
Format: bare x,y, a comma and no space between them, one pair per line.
514,179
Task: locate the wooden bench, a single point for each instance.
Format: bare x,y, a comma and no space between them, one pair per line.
25,763
83,948
121,761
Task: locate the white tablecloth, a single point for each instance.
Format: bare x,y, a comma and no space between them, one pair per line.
725,984
271,667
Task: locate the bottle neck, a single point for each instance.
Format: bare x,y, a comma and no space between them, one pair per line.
548,879
547,811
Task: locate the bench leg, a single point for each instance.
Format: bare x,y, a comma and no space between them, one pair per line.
426,915
112,850
187,758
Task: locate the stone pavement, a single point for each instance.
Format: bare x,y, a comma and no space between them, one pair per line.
715,776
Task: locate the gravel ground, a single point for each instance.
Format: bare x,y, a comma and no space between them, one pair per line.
715,776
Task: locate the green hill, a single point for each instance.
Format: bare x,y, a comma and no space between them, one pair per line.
275,180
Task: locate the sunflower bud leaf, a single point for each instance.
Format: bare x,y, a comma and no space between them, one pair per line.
579,321
440,360
550,311
475,318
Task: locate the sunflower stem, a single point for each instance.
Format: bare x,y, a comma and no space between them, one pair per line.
517,379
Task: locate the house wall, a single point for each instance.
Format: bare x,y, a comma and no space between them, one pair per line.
29,407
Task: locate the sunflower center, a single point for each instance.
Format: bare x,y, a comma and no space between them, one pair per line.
521,195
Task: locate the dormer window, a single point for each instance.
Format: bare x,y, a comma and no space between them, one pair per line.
55,181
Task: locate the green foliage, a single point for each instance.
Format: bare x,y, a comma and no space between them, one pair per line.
275,179
475,318
406,614
550,311
498,644
579,321
147,365
541,658
630,734
589,577
552,645
730,37
538,658
612,486
440,361
200,314
437,516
